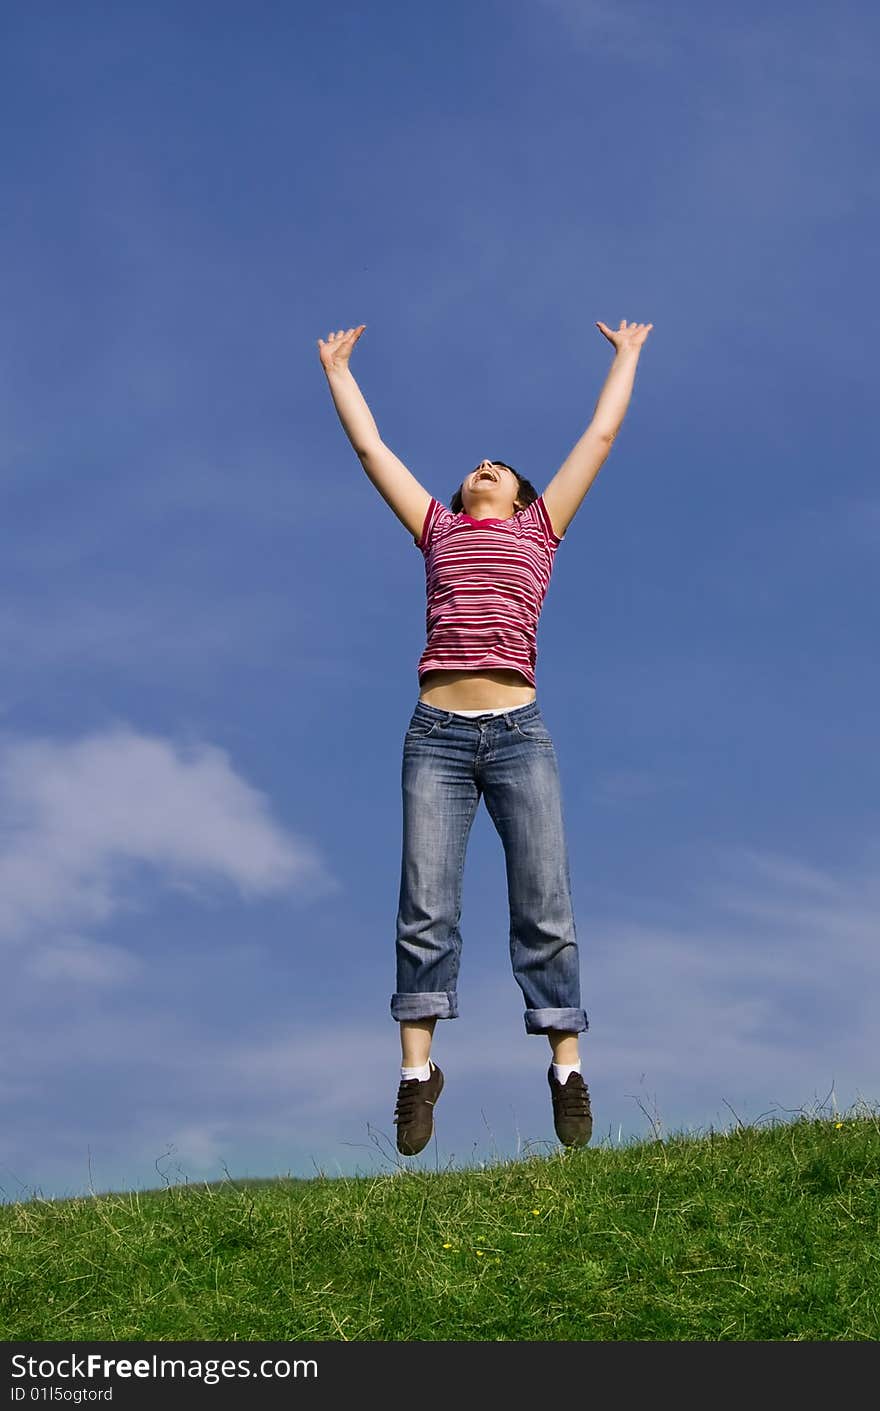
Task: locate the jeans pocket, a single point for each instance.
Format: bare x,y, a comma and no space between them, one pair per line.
420,729
535,731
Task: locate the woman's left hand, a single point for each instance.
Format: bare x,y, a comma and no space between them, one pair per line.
628,335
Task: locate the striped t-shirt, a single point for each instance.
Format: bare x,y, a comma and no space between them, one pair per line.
486,580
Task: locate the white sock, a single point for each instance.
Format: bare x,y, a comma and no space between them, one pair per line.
562,1070
423,1074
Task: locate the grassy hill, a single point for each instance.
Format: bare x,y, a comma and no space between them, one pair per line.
757,1234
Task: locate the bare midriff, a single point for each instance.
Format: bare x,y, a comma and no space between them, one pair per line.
475,690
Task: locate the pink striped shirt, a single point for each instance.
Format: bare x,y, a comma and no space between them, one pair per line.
486,581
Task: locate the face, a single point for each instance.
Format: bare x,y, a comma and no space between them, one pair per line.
490,487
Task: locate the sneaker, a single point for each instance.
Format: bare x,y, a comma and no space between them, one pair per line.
414,1113
572,1117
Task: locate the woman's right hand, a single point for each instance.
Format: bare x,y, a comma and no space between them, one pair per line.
335,353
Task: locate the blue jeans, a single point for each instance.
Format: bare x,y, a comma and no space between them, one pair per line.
449,762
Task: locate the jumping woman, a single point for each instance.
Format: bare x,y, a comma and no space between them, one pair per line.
477,730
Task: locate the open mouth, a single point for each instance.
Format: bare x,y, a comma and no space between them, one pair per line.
485,475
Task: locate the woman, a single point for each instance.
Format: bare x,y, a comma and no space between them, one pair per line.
477,730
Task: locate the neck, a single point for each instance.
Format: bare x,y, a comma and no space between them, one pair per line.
487,510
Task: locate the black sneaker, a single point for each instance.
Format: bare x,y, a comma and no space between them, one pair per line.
414,1113
572,1117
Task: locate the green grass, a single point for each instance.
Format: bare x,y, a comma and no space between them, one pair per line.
758,1234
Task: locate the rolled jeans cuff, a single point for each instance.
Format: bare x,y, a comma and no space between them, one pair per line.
430,1004
538,1021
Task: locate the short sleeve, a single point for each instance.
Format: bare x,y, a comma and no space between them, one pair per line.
437,520
537,513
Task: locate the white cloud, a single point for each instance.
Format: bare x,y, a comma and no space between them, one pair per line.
78,818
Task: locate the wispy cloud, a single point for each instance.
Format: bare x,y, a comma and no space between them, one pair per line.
77,961
764,992
141,632
641,34
782,46
79,818
623,785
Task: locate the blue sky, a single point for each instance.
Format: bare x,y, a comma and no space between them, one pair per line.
210,620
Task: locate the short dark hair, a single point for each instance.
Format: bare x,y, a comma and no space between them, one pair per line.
526,493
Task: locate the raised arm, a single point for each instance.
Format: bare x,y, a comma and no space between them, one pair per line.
396,484
574,477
